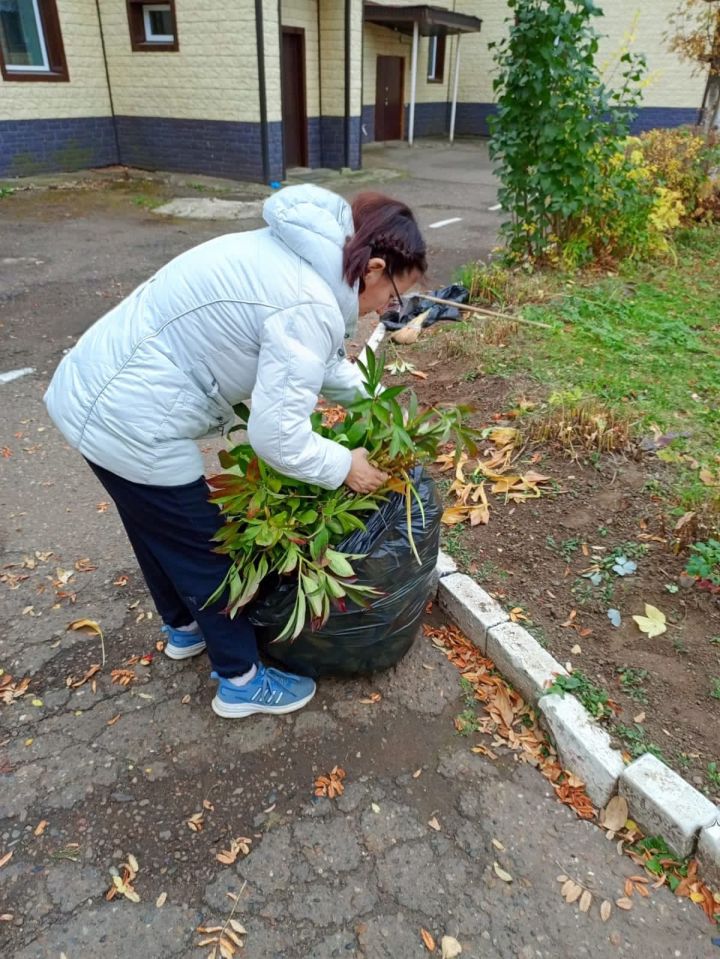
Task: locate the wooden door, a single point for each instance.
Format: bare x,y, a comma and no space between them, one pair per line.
389,98
294,111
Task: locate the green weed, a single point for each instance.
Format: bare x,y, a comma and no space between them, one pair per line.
631,681
593,697
636,741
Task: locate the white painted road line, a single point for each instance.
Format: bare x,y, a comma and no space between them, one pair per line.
453,219
15,374
492,209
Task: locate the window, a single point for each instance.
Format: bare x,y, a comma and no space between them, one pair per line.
31,45
436,59
152,25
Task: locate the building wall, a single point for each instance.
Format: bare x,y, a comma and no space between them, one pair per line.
47,126
305,14
335,129
672,95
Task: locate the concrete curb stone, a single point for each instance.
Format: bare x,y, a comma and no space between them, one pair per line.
583,746
474,610
660,801
522,660
708,854
663,803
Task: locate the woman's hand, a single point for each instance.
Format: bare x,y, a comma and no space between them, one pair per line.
363,476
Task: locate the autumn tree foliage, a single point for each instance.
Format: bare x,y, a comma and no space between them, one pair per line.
694,35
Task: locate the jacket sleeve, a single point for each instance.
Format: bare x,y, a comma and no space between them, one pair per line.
343,382
296,347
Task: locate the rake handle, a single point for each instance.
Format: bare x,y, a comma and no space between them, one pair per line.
483,311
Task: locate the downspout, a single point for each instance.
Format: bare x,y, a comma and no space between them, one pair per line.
348,73
262,92
107,79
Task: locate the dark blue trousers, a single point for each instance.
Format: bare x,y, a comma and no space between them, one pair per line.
170,528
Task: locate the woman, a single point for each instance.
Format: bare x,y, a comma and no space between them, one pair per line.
260,316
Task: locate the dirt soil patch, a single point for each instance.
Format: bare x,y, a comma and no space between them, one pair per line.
537,558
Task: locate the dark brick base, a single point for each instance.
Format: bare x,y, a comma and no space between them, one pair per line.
213,147
332,142
29,147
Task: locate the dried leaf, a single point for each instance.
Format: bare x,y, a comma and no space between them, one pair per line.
371,699
40,828
497,844
501,874
450,947
574,893
605,910
434,824
86,624
6,858
640,718
628,888
238,927
427,940
615,814
585,900
653,623
227,950
624,903
161,900
133,863
111,722
417,774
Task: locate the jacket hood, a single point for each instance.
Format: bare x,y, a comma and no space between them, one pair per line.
315,224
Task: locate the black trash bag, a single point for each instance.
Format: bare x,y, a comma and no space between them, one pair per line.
364,640
393,320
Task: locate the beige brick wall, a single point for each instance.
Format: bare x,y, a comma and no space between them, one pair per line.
671,82
213,76
304,14
332,60
85,95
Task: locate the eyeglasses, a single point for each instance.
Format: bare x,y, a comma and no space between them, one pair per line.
397,300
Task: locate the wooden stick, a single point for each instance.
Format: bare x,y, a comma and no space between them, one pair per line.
483,311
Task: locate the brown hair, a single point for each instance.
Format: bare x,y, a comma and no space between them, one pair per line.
385,228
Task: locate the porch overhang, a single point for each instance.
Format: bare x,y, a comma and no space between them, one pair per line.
430,21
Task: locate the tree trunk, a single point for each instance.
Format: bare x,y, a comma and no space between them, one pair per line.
711,103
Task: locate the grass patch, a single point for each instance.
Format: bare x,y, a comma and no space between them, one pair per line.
595,699
632,352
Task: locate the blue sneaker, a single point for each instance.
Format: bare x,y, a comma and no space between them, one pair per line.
182,644
269,691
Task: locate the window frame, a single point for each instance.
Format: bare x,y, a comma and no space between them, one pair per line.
436,58
50,34
137,24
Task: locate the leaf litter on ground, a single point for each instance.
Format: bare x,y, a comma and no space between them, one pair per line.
514,725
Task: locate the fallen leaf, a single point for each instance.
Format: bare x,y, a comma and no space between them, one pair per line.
419,373
497,844
371,699
161,899
102,507
653,623
6,858
614,617
111,722
86,624
450,947
434,824
615,814
585,900
427,940
195,822
501,874
576,650
624,903
573,893
41,827
605,910
417,774
640,718
238,927
185,700
375,808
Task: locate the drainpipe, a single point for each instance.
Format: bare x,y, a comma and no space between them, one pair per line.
348,73
413,82
107,79
262,92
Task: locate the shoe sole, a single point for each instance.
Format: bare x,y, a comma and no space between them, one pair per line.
177,652
240,710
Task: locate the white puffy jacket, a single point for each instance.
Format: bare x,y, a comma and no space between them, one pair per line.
259,315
